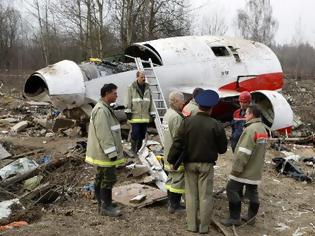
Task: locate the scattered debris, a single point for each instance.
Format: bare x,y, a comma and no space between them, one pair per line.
15,224
281,227
4,153
5,207
63,123
287,167
148,158
19,166
123,194
33,182
137,199
137,170
298,232
20,126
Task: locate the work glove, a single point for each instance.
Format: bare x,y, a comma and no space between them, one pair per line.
129,116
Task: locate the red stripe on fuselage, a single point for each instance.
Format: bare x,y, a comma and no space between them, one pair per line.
272,81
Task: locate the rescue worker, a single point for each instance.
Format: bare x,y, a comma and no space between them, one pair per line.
247,168
139,109
191,108
238,121
104,149
175,184
201,138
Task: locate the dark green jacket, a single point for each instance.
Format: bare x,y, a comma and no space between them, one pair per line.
250,153
201,138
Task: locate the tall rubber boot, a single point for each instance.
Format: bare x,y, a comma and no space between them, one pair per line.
97,190
134,145
235,215
252,212
139,144
106,208
174,205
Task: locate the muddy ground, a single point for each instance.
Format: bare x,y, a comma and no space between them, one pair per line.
285,202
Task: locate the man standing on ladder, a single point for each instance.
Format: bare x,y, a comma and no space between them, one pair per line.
139,109
175,183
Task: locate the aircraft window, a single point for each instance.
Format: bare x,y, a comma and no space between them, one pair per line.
220,51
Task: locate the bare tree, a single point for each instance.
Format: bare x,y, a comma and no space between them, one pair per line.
149,19
9,25
213,25
256,22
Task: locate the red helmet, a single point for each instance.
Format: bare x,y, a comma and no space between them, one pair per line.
245,97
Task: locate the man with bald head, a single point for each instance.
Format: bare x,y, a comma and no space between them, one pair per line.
175,184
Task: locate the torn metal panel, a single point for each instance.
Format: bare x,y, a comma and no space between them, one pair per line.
149,159
124,195
4,153
227,65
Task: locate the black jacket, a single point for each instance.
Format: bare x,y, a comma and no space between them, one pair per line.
201,138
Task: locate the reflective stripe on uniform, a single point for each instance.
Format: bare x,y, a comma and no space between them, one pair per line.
167,186
245,181
245,150
115,127
109,150
128,110
174,190
137,100
135,120
152,113
92,161
141,100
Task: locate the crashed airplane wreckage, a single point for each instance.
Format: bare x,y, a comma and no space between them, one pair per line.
227,65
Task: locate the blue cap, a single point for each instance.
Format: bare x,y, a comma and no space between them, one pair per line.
207,98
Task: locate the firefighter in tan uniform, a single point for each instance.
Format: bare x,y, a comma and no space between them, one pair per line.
247,168
175,184
201,138
139,109
104,149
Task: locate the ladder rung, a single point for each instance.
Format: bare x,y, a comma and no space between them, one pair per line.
154,85
158,100
161,108
156,92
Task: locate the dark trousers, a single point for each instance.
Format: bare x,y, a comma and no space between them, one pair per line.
105,177
234,188
138,131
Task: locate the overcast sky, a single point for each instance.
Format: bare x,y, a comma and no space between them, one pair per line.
288,13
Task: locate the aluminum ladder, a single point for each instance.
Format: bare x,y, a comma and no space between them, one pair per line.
159,102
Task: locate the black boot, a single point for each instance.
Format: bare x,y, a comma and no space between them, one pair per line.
235,214
134,145
107,209
139,144
174,206
97,189
252,212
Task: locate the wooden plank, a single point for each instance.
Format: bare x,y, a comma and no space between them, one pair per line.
25,154
123,194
